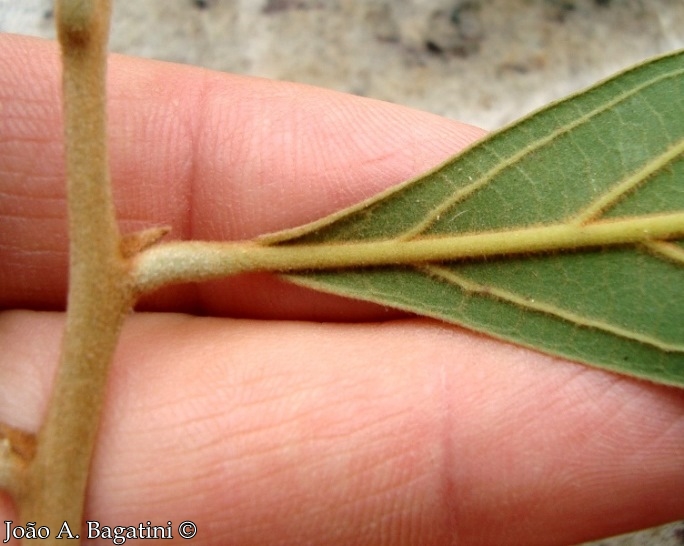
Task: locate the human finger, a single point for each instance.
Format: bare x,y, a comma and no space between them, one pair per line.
215,156
406,432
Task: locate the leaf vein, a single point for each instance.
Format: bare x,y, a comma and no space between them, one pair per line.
543,307
524,152
667,250
611,197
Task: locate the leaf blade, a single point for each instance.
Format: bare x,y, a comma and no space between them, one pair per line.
613,152
595,348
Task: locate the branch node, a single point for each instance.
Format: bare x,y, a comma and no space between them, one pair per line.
134,243
79,24
17,449
22,443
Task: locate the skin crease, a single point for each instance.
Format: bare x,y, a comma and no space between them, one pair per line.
363,427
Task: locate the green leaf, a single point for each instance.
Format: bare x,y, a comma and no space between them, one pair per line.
610,156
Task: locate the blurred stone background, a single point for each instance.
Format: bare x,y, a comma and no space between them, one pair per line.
485,62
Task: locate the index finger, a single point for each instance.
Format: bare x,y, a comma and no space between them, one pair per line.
215,156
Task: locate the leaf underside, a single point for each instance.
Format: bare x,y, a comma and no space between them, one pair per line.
615,151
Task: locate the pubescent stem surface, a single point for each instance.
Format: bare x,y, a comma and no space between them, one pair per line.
99,288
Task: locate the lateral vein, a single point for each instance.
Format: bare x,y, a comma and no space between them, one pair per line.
549,309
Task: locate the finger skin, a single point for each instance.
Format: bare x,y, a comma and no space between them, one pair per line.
407,432
215,156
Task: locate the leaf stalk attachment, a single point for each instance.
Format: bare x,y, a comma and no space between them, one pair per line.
202,260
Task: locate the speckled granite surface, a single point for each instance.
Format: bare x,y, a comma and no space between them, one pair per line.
486,62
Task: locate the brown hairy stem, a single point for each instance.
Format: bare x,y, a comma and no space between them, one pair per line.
99,292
